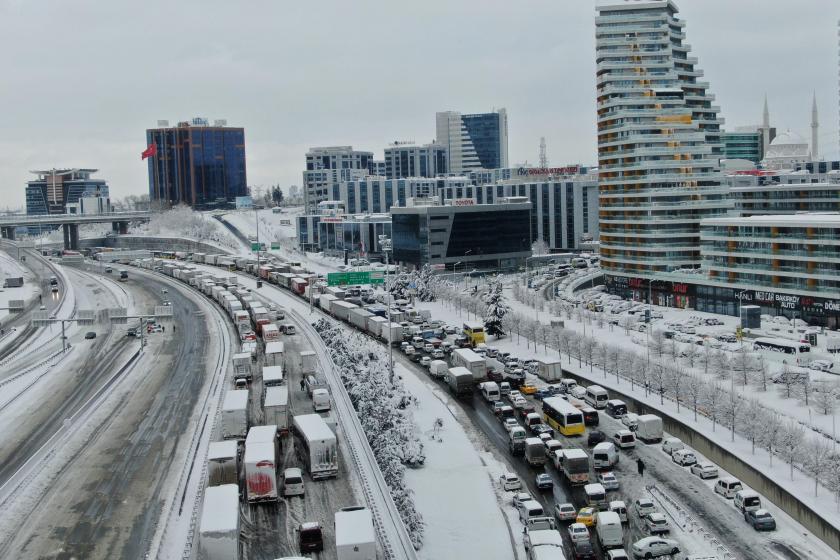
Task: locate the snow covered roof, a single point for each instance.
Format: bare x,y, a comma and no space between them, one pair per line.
314,426
273,374
236,400
274,347
222,450
266,433
275,396
355,526
221,509
257,451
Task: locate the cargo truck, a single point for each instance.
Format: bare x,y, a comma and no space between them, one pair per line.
650,428
354,535
375,324
341,309
549,369
272,376
242,366
359,317
535,451
235,414
260,471
274,353
276,407
460,380
299,285
307,362
218,532
392,332
325,301
475,364
315,445
609,530
270,333
222,463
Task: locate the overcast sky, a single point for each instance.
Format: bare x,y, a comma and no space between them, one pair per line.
82,80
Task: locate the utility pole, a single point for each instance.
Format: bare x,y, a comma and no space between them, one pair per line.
385,243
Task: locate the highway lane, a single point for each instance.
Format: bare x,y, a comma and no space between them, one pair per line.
106,500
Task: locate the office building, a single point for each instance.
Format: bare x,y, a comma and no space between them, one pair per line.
373,195
356,236
54,189
196,164
743,145
410,160
465,237
328,165
377,168
488,176
659,142
764,192
478,141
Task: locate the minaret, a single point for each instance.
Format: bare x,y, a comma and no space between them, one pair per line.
815,126
765,128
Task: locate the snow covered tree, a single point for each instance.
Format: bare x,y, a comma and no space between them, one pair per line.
539,247
425,283
713,399
694,391
752,424
399,286
762,373
658,377
772,432
732,408
565,342
825,395
786,382
676,382
690,354
495,311
743,366
720,365
790,442
817,460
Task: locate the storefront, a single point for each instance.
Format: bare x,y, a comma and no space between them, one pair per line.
660,292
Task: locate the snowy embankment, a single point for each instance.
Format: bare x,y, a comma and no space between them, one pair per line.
9,267
185,223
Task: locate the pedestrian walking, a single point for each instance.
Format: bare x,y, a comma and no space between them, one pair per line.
302,385
640,466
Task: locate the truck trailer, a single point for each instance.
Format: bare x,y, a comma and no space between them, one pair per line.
235,414
354,535
218,533
222,463
460,380
276,407
477,365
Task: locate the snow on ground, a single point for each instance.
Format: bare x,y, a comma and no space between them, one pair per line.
184,223
9,267
801,485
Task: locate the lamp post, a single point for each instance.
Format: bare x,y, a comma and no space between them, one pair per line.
385,243
257,221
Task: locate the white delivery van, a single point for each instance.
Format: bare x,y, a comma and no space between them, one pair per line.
604,456
619,508
608,529
728,486
596,396
649,429
596,495
490,391
746,500
354,535
321,400
438,368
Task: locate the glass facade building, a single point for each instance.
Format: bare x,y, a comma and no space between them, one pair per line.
196,164
477,141
742,145
415,161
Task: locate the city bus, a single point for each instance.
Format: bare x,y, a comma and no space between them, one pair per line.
781,345
474,332
562,416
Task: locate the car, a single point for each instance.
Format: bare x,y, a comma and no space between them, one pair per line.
90,335
509,481
293,482
449,329
578,532
821,365
310,537
565,512
544,482
166,302
655,547
630,420
438,354
520,498
514,395
54,289
545,437
657,524
541,430
428,348
497,407
108,269
704,470
608,480
527,389
409,351
683,457
425,361
132,332
644,507
404,345
624,439
519,402
595,437
586,516
509,423
760,520
583,550
671,444
42,308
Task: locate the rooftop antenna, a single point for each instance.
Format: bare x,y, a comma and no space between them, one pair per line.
543,157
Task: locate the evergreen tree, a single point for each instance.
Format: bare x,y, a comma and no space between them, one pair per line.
496,310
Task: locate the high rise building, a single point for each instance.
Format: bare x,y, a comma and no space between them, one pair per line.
477,141
659,142
742,144
410,160
196,164
54,189
328,165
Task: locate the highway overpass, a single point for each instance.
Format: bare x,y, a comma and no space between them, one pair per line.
70,223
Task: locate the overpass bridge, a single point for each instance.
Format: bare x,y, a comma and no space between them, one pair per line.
70,223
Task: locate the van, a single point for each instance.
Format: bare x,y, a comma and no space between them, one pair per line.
418,343
321,400
746,500
728,487
517,437
620,508
596,396
625,439
604,456
608,529
504,388
566,385
438,368
529,509
551,446
596,496
616,408
293,482
532,419
617,554
490,391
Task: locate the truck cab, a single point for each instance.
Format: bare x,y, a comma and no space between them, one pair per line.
516,440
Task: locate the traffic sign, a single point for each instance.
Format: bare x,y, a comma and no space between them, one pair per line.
255,246
84,316
353,278
15,305
117,315
40,318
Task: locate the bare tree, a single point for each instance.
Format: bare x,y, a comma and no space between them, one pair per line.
694,391
625,323
817,461
825,395
712,399
743,364
720,365
658,377
529,329
641,373
587,349
732,407
790,442
787,380
690,354
670,348
804,389
613,358
676,382
772,432
762,373
705,358
515,322
657,343
565,343
753,422
600,357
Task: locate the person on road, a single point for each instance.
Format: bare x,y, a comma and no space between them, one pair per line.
640,466
39,298
302,385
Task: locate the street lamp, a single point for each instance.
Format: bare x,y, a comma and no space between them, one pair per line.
385,243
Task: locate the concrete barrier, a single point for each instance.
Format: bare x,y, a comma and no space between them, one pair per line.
739,468
143,242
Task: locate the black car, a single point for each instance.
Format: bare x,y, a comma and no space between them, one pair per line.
595,437
582,550
310,537
89,335
590,416
538,429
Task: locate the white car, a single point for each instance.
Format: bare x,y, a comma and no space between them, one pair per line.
293,482
704,470
565,512
520,498
656,523
578,532
510,423
510,481
671,444
644,507
683,457
425,361
608,480
624,439
630,420
821,365
654,547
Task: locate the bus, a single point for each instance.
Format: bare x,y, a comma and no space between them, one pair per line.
781,345
562,416
123,275
474,332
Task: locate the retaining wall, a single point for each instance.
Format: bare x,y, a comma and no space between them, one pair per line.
143,242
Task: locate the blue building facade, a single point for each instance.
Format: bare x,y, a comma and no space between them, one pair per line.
197,164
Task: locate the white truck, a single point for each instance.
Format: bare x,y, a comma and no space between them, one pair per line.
218,533
477,365
260,471
274,353
235,414
270,333
272,376
276,407
320,400
375,323
650,428
325,301
608,529
460,380
534,451
392,332
438,368
359,317
549,369
354,535
317,445
242,366
307,362
341,309
222,463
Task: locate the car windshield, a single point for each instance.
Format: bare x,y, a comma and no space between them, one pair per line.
310,535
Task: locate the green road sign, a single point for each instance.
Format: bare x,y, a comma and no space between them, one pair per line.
352,278
275,245
255,246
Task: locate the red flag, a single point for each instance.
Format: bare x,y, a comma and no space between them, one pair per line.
149,152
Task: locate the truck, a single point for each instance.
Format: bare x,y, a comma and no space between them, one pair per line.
235,414
325,301
242,366
17,282
375,324
307,362
650,428
358,318
299,285
260,471
354,535
608,529
540,539
222,463
316,445
336,292
272,376
516,440
549,369
575,466
392,332
460,380
218,532
438,369
274,353
534,451
475,364
270,333
276,407
341,309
